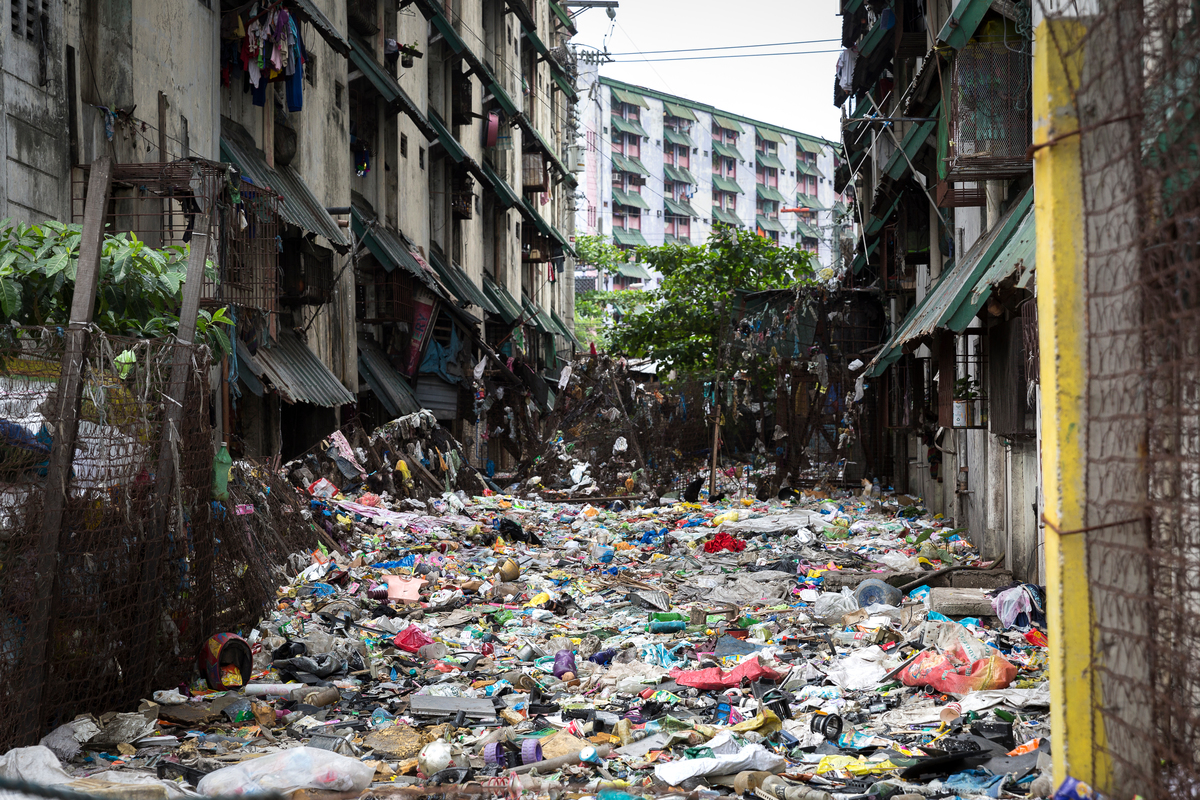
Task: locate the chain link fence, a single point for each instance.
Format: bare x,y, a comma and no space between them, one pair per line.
141,577
1135,100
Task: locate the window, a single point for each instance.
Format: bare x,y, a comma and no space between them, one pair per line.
421,156
339,91
27,17
310,68
591,217
591,141
404,145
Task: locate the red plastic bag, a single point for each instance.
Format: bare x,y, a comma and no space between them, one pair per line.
717,678
946,674
411,639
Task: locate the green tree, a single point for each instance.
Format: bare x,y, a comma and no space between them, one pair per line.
681,321
139,292
599,252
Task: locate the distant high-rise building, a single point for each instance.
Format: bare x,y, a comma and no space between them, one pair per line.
664,169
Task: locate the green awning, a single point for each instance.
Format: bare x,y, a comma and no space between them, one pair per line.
563,16
535,316
768,135
1016,257
536,41
631,126
453,148
394,96
963,22
307,11
388,385
679,208
769,224
564,84
765,192
875,224
897,165
461,285
676,110
804,168
874,38
768,160
726,185
808,201
478,65
679,174
727,124
633,269
726,151
861,259
626,164
506,194
677,240
545,227
675,137
806,231
728,217
629,238
390,248
509,308
633,199
807,146
629,98
567,332
949,303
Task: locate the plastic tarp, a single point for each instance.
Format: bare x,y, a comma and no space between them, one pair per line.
753,757
716,678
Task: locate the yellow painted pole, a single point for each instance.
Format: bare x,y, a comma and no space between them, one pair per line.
1076,724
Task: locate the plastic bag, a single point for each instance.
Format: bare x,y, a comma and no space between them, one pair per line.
945,674
289,771
411,639
1010,604
831,607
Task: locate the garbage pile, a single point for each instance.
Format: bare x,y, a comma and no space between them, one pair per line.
799,650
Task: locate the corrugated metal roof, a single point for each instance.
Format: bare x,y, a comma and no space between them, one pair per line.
630,198
629,238
807,146
548,151
387,384
727,124
947,304
298,205
308,12
680,174
296,372
628,126
809,201
389,88
726,185
768,159
675,137
453,148
1017,256
726,150
769,193
679,208
510,309
768,135
897,165
677,110
461,284
632,269
507,195
768,224
546,228
629,98
391,248
728,217
535,316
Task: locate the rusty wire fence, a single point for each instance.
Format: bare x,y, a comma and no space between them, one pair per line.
1135,99
141,576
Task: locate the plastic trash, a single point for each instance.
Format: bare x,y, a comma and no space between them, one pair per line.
873,591
289,771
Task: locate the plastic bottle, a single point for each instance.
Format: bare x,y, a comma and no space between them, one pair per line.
667,626
564,664
666,616
777,787
222,465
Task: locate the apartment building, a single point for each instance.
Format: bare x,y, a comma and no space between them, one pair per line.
394,205
663,169
936,101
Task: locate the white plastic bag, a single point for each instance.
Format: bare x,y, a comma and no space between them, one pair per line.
831,607
288,771
1010,603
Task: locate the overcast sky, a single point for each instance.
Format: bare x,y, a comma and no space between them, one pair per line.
795,91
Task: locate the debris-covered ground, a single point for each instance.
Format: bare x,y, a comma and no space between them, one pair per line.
828,645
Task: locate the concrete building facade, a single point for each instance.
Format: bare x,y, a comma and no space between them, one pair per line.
414,160
664,169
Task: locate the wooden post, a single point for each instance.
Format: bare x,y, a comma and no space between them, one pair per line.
165,476
62,449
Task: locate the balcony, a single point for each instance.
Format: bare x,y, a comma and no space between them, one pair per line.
990,120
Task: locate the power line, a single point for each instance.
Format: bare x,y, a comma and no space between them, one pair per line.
729,47
731,55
